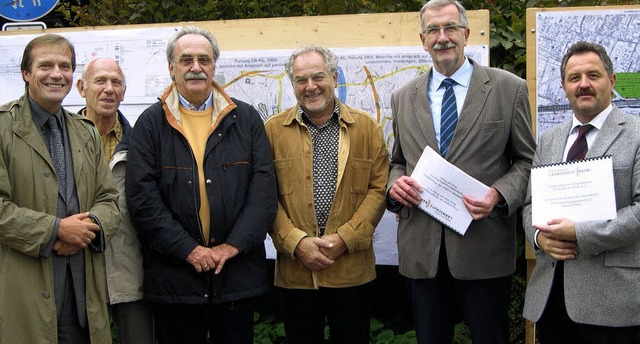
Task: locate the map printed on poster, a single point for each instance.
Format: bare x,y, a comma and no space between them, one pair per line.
366,79
139,52
618,31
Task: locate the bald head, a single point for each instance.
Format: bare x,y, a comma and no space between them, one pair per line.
102,84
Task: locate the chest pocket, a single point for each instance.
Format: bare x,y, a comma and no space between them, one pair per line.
360,170
284,173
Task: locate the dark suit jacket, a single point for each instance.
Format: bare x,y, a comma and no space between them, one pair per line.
602,285
493,143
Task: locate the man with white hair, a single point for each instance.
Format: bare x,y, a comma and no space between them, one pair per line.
201,190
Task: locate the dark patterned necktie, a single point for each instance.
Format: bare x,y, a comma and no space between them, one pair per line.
56,149
579,148
448,116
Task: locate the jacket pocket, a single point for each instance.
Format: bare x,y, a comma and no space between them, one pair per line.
284,175
360,173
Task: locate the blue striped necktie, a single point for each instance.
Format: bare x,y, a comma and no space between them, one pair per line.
448,116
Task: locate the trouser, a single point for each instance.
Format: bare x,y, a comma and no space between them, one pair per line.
555,326
439,303
347,311
230,322
133,321
69,329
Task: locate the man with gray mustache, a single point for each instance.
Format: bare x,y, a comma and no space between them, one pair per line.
201,191
478,119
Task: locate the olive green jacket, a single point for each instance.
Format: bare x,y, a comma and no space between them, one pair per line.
358,204
28,203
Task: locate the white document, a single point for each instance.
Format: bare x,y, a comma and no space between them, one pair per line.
579,190
443,185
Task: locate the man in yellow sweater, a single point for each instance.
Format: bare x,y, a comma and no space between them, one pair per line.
201,191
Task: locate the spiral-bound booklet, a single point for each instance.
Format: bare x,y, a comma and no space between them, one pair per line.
580,190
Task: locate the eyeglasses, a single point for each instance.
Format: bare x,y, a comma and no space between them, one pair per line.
434,31
187,60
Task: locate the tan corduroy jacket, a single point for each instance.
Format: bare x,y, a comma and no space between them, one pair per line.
358,205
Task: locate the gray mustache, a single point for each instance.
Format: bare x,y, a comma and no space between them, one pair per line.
440,46
195,76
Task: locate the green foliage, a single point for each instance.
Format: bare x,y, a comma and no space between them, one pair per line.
118,12
517,324
507,17
507,27
386,334
267,330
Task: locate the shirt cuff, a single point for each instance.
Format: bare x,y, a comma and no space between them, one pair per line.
535,240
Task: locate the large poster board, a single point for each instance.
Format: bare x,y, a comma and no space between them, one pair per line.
378,53
551,31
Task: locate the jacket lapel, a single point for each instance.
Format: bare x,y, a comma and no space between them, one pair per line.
474,103
422,111
558,143
25,128
611,129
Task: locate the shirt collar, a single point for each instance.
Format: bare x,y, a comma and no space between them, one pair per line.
596,122
462,76
117,129
336,113
40,115
205,106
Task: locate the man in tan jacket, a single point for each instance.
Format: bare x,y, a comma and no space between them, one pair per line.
332,167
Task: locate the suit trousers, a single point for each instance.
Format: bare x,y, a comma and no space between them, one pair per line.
134,322
69,329
347,311
555,326
439,303
226,323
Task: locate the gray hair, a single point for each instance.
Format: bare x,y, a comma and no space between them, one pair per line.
442,3
85,70
330,59
192,30
583,47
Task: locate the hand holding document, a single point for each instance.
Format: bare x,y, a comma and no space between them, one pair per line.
580,190
443,185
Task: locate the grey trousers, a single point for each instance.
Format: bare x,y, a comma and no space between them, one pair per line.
134,322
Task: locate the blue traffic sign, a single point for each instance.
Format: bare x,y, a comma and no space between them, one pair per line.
26,10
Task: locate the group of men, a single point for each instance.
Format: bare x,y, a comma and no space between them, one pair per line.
93,210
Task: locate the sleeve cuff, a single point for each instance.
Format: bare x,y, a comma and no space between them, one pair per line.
97,244
47,249
535,239
392,205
